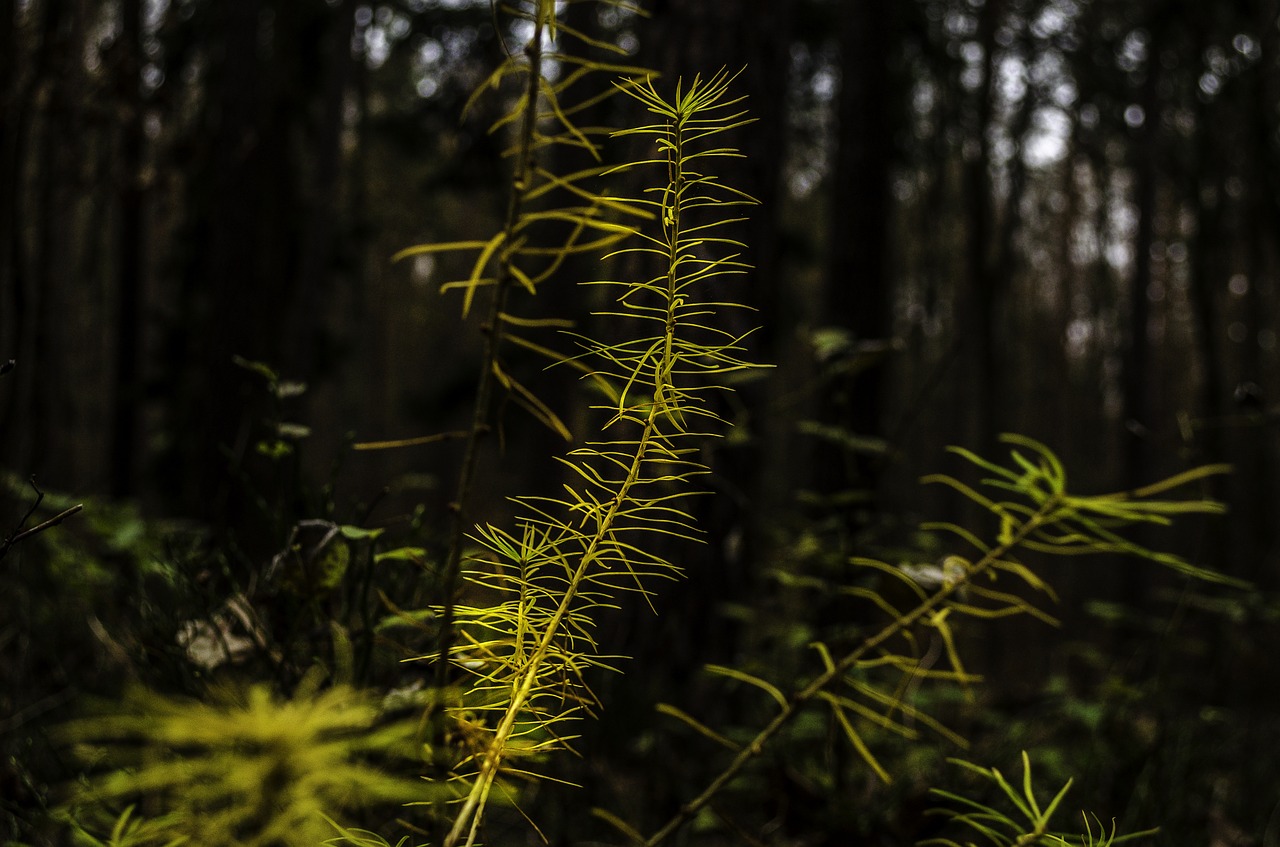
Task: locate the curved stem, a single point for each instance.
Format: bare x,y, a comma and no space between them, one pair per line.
528,678
798,700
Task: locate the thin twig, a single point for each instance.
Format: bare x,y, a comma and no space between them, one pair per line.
53,521
20,534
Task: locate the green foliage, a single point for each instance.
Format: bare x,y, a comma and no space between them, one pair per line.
130,831
528,646
246,768
1028,821
282,434
869,689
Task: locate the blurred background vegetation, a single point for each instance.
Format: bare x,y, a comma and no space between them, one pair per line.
1055,217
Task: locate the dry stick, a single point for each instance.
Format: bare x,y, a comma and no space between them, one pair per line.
53,521
27,533
819,683
492,328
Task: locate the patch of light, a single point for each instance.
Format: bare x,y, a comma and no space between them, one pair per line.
803,181
423,266
430,52
1011,78
1046,143
1050,22
1247,46
1079,335
377,47
1133,49
1119,255
823,84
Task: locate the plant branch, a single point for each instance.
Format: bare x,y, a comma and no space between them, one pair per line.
20,534
493,332
662,358
799,699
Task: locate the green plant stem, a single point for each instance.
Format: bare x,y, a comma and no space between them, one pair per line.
528,680
492,329
468,818
800,698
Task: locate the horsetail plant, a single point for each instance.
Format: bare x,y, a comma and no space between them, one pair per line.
1029,821
572,555
517,256
868,687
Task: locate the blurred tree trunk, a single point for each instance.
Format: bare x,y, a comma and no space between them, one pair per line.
13,117
58,144
983,287
324,39
1136,372
240,268
1260,453
1206,193
1007,214
858,289
684,38
699,37
126,393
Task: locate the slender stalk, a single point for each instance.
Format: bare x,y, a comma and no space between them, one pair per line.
36,530
527,681
468,817
493,331
800,698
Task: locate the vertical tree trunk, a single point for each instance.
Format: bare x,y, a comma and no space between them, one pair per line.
1259,456
1136,399
13,116
1136,374
983,289
1204,284
333,29
47,372
858,289
688,37
126,391
241,266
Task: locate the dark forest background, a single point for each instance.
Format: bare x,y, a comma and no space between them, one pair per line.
1053,217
